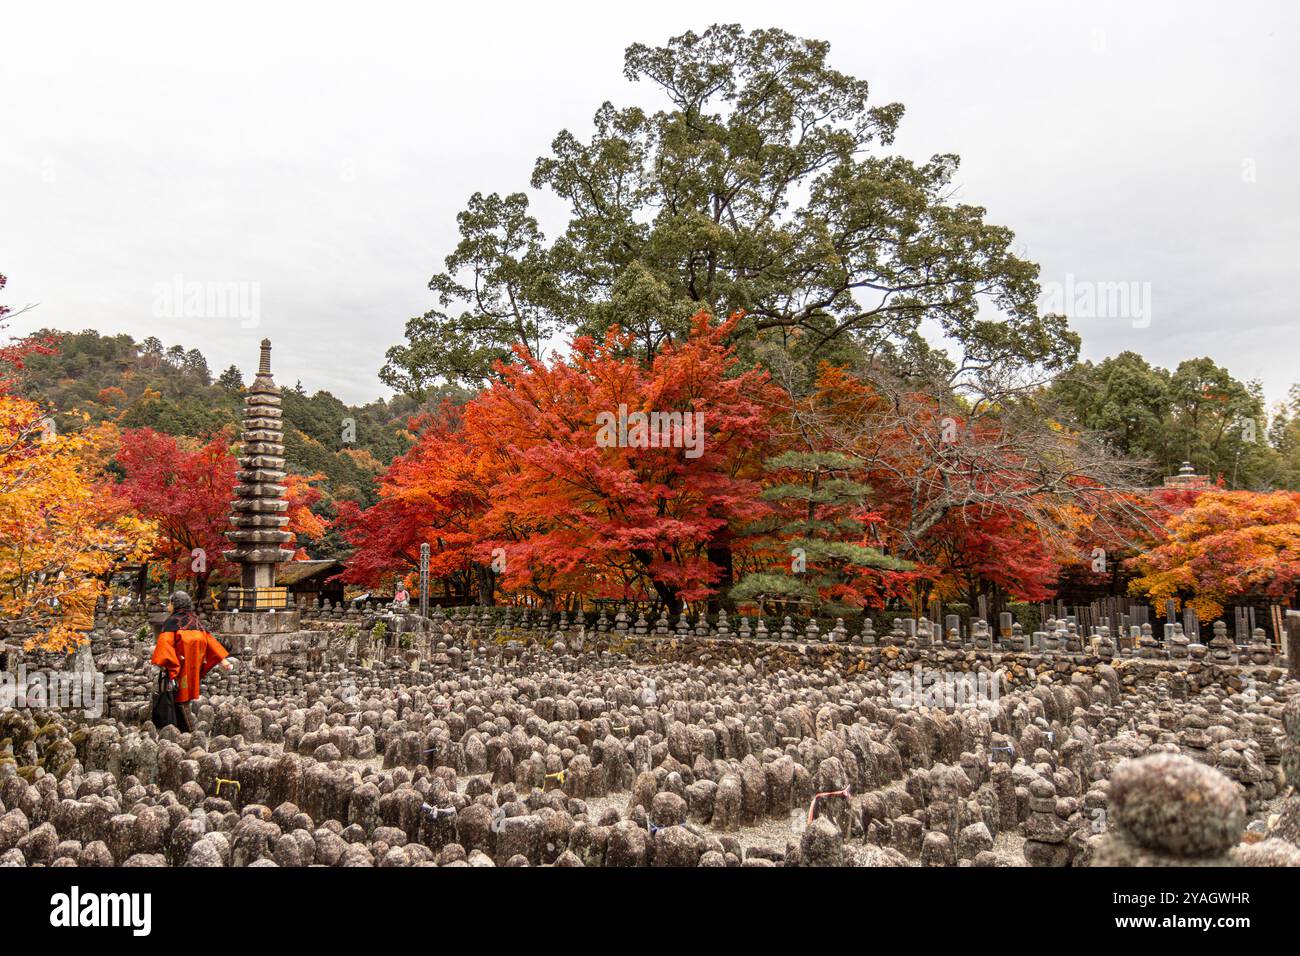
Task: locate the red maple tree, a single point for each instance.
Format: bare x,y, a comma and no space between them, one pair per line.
433,494
186,487
593,474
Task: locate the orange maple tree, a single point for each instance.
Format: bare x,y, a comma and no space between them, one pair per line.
593,474
622,479
433,494
1226,544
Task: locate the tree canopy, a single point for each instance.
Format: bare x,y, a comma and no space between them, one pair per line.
1197,413
762,187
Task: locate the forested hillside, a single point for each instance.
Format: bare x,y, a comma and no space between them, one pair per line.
91,378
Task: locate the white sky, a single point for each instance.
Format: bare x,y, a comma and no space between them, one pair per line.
322,151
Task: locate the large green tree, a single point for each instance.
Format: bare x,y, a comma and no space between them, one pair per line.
762,186
1284,439
1198,413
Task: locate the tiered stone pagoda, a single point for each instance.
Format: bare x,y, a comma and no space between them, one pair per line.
260,509
1187,478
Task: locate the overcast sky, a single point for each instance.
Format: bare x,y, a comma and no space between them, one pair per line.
319,153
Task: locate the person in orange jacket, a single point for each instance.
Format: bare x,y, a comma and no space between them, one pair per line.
187,652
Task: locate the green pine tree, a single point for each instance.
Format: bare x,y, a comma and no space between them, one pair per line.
816,531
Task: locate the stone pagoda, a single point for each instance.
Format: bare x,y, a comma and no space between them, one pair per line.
1187,478
260,509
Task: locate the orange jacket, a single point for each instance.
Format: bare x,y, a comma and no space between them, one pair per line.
201,652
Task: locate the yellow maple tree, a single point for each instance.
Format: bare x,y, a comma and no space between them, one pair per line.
1228,544
62,527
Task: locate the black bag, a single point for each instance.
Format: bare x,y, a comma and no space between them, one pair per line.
166,711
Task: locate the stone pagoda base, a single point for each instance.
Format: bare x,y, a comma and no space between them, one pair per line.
256,623
256,634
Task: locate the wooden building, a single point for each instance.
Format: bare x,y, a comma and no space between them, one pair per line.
308,581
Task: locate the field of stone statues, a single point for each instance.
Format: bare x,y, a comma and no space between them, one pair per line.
474,740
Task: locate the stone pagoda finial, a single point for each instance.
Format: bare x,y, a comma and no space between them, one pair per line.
260,509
